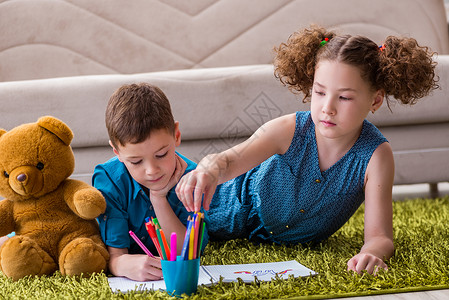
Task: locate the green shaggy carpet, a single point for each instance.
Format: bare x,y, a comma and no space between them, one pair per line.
420,262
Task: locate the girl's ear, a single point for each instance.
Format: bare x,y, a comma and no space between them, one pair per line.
177,134
378,100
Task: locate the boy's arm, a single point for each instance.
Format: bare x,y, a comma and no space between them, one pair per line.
167,218
113,224
139,267
378,213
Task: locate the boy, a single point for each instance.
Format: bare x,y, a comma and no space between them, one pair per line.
139,182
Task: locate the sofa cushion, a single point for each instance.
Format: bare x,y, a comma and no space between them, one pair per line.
209,103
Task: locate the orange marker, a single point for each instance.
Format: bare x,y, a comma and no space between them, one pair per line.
166,248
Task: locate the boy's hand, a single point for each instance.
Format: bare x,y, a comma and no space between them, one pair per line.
192,186
366,261
180,168
139,267
146,268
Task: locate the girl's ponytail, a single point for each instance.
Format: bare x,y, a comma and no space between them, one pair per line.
406,70
295,61
400,66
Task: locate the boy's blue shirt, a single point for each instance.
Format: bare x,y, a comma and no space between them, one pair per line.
128,205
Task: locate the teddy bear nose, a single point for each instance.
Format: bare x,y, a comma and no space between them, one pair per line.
21,177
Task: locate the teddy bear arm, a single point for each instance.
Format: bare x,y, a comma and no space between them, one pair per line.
7,224
84,200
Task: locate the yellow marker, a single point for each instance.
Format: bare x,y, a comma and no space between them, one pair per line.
192,238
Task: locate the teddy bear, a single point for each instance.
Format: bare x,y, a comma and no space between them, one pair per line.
52,215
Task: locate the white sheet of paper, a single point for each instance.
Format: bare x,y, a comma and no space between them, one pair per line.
263,271
212,273
124,284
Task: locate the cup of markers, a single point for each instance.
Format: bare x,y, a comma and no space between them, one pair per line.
181,270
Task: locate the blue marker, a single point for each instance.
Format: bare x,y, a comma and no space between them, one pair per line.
185,246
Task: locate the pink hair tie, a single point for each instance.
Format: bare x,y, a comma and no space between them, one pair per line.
382,47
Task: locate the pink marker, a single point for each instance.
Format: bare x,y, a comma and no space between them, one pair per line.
139,242
173,246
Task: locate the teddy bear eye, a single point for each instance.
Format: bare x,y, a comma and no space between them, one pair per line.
6,174
40,166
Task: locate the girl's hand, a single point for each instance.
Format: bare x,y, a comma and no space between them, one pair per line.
201,181
180,168
366,261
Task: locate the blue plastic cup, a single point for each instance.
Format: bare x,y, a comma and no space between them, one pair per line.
181,276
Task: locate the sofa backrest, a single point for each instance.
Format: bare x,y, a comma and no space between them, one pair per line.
46,38
216,108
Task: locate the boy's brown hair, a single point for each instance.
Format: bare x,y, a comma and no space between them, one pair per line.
134,111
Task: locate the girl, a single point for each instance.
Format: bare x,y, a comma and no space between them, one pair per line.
300,177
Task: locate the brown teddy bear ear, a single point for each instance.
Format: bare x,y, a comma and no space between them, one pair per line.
2,131
57,127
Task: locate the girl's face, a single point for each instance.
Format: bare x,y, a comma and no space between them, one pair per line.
341,100
153,161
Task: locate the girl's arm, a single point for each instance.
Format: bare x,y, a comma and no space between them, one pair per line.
139,267
378,244
274,137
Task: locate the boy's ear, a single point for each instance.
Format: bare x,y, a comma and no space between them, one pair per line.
177,134
113,148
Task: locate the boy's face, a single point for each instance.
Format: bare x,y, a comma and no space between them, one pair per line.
153,161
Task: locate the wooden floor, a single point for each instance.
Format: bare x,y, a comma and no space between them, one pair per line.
427,295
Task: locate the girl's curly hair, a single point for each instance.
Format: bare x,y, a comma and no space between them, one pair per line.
402,68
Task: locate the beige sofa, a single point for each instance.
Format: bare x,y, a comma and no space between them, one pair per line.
212,59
